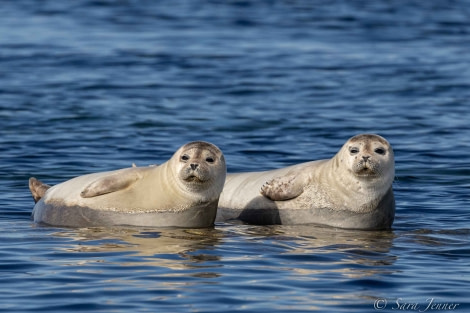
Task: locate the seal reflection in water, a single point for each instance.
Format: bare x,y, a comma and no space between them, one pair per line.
182,192
351,190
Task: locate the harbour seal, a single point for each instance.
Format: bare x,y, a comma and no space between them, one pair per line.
351,190
182,192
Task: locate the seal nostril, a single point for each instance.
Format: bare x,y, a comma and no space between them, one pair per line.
366,158
194,166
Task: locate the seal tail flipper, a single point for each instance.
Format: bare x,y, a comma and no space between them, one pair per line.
38,188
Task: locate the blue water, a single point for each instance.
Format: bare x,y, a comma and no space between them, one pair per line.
95,85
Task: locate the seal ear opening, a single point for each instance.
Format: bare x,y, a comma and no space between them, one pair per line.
38,188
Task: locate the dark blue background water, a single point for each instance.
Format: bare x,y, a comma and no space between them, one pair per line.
88,86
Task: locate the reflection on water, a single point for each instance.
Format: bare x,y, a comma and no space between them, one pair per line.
240,264
173,248
341,250
231,266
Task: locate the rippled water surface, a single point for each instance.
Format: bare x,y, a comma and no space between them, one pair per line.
88,86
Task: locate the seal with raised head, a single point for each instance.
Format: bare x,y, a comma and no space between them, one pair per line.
182,192
351,190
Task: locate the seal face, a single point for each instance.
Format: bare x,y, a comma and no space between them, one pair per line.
351,190
369,157
196,165
184,192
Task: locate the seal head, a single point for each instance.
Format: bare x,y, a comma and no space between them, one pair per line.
368,157
195,169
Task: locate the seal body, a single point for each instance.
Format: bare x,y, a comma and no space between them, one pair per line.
351,190
182,192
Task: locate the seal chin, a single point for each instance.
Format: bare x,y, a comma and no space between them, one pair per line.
193,179
195,176
366,172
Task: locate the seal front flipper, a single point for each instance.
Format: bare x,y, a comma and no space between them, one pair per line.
283,188
37,188
112,183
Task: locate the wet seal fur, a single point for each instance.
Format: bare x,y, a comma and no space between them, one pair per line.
351,190
182,192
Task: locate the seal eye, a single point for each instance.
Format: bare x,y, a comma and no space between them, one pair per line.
210,160
184,158
380,151
353,150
